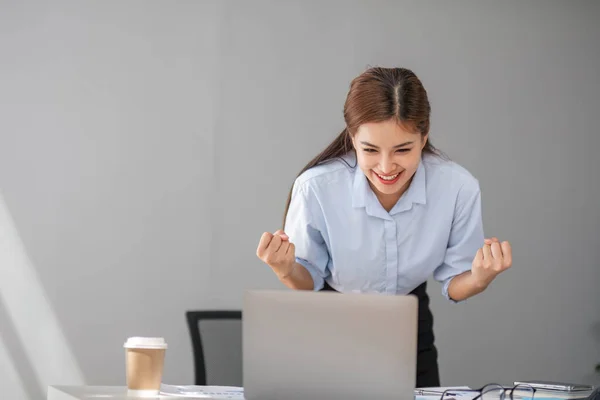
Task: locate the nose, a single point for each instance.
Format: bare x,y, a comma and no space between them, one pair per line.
386,165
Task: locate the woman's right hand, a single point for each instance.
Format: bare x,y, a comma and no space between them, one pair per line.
276,250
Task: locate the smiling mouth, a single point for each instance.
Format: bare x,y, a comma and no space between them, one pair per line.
388,179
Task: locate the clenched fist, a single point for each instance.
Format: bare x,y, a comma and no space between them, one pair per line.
277,252
493,258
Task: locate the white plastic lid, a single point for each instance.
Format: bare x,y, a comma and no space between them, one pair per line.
137,342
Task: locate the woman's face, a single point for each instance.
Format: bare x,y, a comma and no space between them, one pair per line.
389,155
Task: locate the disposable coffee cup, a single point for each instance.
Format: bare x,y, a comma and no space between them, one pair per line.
144,362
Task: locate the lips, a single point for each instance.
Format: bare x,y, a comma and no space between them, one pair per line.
388,179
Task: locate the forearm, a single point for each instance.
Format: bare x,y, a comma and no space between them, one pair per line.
464,286
299,278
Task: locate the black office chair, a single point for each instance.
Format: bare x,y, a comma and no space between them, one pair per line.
228,355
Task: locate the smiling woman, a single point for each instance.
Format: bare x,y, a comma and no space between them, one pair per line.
389,154
379,210
382,101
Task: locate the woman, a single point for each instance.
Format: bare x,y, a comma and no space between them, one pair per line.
380,210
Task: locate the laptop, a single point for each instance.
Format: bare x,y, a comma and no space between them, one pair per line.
306,345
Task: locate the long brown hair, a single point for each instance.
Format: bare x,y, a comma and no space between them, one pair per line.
377,95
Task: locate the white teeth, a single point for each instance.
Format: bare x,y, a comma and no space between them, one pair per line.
388,178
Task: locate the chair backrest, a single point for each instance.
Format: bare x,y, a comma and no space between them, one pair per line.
220,347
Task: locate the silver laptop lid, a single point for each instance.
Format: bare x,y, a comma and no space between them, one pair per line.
326,345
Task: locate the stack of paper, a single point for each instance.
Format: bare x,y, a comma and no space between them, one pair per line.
203,392
452,392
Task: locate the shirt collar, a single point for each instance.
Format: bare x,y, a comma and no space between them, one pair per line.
360,188
363,196
416,192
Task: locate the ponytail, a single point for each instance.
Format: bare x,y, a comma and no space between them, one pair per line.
341,145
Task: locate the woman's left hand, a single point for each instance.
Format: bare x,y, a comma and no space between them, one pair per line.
493,258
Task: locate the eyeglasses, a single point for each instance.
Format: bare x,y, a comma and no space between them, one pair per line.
494,391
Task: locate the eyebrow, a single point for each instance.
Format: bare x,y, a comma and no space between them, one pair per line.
395,147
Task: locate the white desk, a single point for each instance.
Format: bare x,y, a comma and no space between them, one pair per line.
99,393
120,393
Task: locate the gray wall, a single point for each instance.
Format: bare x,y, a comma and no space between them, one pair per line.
145,146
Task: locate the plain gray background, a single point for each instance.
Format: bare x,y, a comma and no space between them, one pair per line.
146,145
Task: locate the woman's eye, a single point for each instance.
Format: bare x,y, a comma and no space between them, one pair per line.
375,151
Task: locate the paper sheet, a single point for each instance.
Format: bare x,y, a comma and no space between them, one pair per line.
203,392
452,392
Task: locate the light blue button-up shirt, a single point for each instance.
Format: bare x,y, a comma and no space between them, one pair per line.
344,236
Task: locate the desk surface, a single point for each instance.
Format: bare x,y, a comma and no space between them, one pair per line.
120,393
100,393
106,393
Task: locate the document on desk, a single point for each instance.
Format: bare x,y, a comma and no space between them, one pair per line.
203,392
465,393
452,392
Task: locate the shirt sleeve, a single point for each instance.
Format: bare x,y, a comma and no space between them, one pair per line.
466,237
303,226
